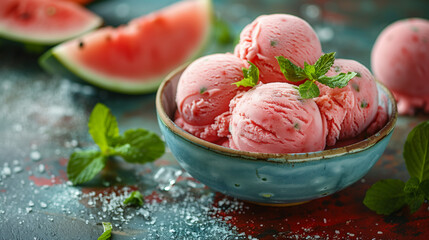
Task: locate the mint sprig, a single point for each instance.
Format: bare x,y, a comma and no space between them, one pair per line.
251,76
134,146
136,198
390,195
314,73
107,234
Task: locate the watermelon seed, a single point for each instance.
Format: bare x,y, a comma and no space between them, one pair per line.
81,45
25,15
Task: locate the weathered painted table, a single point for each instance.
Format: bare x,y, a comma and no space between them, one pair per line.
43,119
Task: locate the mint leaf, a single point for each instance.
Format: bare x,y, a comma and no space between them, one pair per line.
136,198
138,146
341,80
416,152
424,187
412,185
84,165
385,196
308,90
310,71
102,126
292,72
251,76
415,200
135,146
314,72
414,195
107,234
324,63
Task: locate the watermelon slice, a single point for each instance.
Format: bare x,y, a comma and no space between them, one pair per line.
44,22
134,59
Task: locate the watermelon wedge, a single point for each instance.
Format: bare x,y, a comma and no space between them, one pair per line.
133,59
44,22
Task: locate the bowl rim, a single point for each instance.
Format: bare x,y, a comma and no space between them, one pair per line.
274,157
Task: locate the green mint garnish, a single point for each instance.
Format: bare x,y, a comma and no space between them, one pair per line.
314,73
363,104
416,152
251,76
134,146
390,195
203,90
308,90
107,234
136,198
358,74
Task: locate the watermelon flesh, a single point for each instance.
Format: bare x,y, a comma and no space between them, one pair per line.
44,22
135,58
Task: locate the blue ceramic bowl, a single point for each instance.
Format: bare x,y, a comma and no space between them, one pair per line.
273,179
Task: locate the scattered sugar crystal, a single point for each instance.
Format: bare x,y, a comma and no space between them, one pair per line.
74,143
41,168
379,232
35,156
29,209
17,169
311,11
166,177
31,203
17,127
6,171
43,205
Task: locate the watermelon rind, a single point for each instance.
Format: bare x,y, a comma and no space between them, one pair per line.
34,40
56,61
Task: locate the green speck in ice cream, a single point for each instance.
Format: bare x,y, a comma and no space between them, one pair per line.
203,90
355,86
273,43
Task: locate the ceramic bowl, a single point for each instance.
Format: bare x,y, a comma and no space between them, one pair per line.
273,179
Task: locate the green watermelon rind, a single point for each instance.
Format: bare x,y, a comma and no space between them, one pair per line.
56,63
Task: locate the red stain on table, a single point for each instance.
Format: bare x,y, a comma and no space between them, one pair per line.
339,216
44,181
63,161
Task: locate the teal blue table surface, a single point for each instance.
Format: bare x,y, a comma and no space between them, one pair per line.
43,119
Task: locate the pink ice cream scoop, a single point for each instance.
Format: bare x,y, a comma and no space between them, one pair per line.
273,118
350,110
204,92
269,36
400,60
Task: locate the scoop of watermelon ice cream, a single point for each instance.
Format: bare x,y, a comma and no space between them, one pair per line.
269,36
273,118
400,60
350,110
204,92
